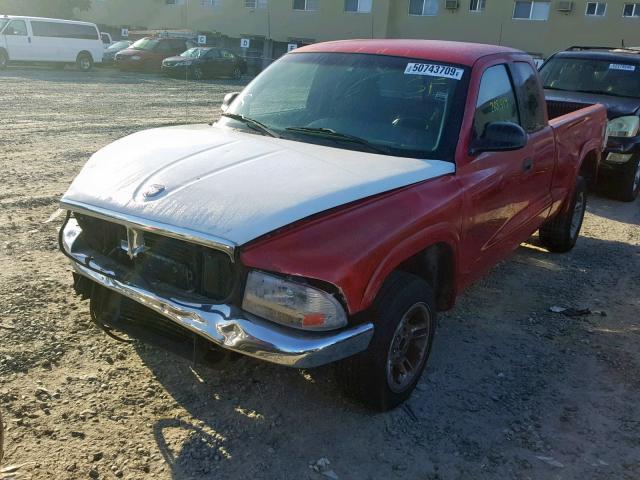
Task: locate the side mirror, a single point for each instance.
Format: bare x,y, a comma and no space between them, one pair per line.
228,100
500,137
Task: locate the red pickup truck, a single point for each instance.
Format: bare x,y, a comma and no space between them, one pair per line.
347,195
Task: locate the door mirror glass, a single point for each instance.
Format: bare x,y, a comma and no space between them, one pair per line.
228,100
500,137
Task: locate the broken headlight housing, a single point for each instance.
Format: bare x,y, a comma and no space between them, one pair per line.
292,303
623,126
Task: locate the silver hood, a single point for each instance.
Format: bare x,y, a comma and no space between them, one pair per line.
232,185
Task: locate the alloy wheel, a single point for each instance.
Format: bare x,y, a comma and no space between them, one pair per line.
408,348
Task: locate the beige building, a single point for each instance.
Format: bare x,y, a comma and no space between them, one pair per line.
539,27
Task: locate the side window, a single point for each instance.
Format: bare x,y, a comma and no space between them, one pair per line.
496,100
17,27
164,47
530,97
213,54
228,55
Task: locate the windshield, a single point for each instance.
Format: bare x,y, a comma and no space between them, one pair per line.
401,106
604,77
145,44
3,22
118,46
195,53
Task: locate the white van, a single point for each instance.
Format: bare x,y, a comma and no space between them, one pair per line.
34,39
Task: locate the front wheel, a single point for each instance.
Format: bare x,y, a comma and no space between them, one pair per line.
237,73
385,375
628,186
561,232
84,62
4,59
197,73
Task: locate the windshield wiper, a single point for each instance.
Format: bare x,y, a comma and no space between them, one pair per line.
343,137
255,124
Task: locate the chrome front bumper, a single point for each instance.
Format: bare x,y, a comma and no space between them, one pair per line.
230,327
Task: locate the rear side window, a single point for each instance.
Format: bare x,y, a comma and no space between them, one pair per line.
530,97
496,100
64,30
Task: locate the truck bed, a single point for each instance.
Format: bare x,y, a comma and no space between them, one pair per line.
556,108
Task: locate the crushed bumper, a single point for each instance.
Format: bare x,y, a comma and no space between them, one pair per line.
229,327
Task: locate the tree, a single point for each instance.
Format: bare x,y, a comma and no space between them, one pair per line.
66,9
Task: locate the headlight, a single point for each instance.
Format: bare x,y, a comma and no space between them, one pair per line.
135,57
291,303
70,234
623,126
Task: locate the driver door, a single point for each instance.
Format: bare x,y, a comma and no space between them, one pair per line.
492,181
18,41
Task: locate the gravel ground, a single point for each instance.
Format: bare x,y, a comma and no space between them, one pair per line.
512,390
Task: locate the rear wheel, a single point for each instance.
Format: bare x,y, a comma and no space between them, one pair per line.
386,373
561,232
84,62
628,186
237,73
4,59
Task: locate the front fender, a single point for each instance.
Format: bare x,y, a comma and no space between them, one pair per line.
355,247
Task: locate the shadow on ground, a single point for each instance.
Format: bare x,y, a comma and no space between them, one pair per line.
504,388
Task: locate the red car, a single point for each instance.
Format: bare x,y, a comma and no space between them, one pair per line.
347,195
148,53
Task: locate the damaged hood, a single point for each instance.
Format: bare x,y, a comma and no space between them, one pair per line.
233,185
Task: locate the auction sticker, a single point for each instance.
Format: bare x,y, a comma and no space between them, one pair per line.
622,66
433,70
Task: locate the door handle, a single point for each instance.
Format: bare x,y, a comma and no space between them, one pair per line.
527,164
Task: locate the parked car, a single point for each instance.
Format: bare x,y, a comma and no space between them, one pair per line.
110,52
148,53
582,76
344,198
205,62
48,40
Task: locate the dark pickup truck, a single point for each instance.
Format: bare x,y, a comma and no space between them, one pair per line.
582,76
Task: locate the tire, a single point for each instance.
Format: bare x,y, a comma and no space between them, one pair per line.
560,233
237,73
197,73
374,377
628,185
84,62
4,59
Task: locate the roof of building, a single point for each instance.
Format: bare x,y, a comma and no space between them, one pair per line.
460,53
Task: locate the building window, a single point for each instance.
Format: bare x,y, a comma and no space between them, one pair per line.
210,3
175,2
631,10
531,10
307,5
477,6
424,7
596,9
357,6
253,4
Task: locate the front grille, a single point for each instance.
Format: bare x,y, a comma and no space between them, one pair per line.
166,262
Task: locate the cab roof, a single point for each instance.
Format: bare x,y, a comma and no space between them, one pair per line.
612,55
460,53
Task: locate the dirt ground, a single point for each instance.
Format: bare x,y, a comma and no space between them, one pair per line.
512,390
